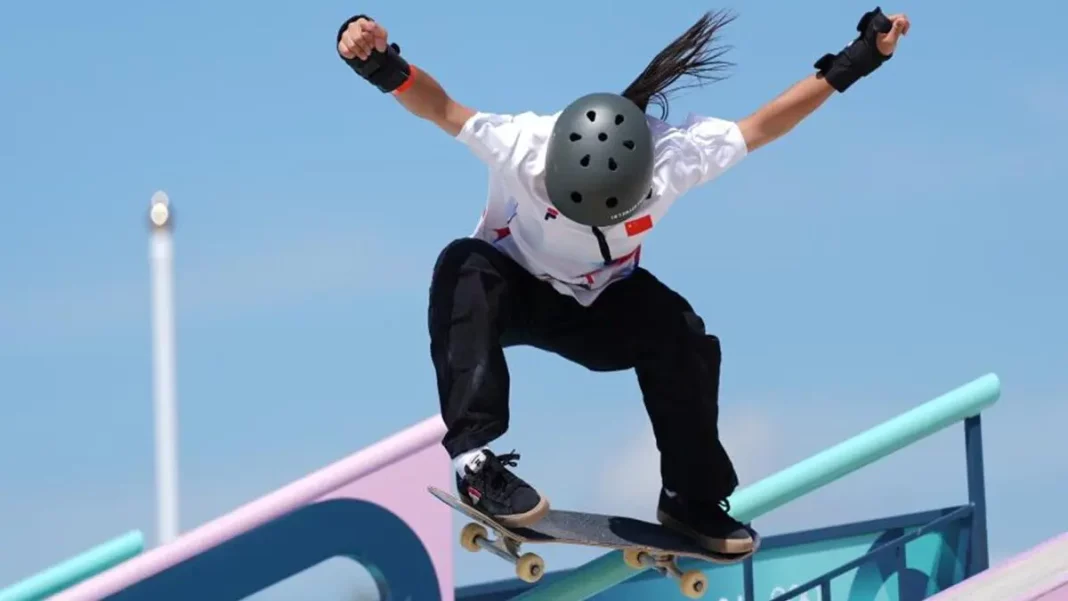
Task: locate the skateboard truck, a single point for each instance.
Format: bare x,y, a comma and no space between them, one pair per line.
644,545
529,567
693,583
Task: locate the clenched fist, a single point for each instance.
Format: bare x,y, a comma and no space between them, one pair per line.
360,38
887,42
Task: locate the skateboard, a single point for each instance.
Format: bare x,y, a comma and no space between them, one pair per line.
644,545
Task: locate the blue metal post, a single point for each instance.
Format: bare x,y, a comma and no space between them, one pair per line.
747,580
973,445
902,565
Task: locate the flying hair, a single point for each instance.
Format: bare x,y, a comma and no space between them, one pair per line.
695,55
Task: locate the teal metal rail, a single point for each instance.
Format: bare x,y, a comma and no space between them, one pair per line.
800,479
978,558
892,547
74,570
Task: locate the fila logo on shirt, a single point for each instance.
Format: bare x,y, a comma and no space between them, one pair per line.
551,214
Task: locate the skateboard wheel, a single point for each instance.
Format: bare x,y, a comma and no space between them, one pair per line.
529,568
693,584
469,537
632,557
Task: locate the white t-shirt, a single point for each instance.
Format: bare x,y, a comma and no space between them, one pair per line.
520,220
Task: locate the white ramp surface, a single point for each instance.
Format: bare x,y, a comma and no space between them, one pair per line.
1040,574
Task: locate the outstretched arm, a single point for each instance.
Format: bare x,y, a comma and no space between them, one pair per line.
364,45
427,99
776,118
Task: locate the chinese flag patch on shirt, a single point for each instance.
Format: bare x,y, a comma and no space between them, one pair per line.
639,225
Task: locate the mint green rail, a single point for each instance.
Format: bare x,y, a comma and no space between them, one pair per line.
74,570
799,479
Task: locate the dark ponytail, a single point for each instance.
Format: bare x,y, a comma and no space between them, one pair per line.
690,54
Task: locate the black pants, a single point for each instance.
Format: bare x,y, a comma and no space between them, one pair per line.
482,301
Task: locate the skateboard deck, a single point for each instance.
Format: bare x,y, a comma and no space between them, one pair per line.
644,544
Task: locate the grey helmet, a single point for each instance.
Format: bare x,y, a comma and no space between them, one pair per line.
599,162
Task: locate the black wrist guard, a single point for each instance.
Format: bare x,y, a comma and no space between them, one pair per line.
386,70
858,59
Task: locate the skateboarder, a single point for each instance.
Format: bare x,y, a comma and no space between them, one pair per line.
553,262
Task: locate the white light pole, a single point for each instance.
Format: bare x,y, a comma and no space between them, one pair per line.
163,362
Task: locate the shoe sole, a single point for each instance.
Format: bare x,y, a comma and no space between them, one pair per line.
521,520
731,546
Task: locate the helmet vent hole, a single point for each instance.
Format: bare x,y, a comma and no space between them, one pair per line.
591,115
628,144
612,202
619,119
575,137
576,197
649,195
585,162
612,164
602,136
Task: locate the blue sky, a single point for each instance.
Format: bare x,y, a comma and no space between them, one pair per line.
905,239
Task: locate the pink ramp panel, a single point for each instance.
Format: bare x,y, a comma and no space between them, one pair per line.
1040,574
393,473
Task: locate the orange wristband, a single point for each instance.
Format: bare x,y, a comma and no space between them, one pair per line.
412,70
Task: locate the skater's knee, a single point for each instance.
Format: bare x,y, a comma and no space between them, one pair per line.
459,250
467,246
460,254
692,327
694,323
698,336
712,351
674,329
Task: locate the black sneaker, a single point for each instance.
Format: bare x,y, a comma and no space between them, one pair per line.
489,486
708,524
